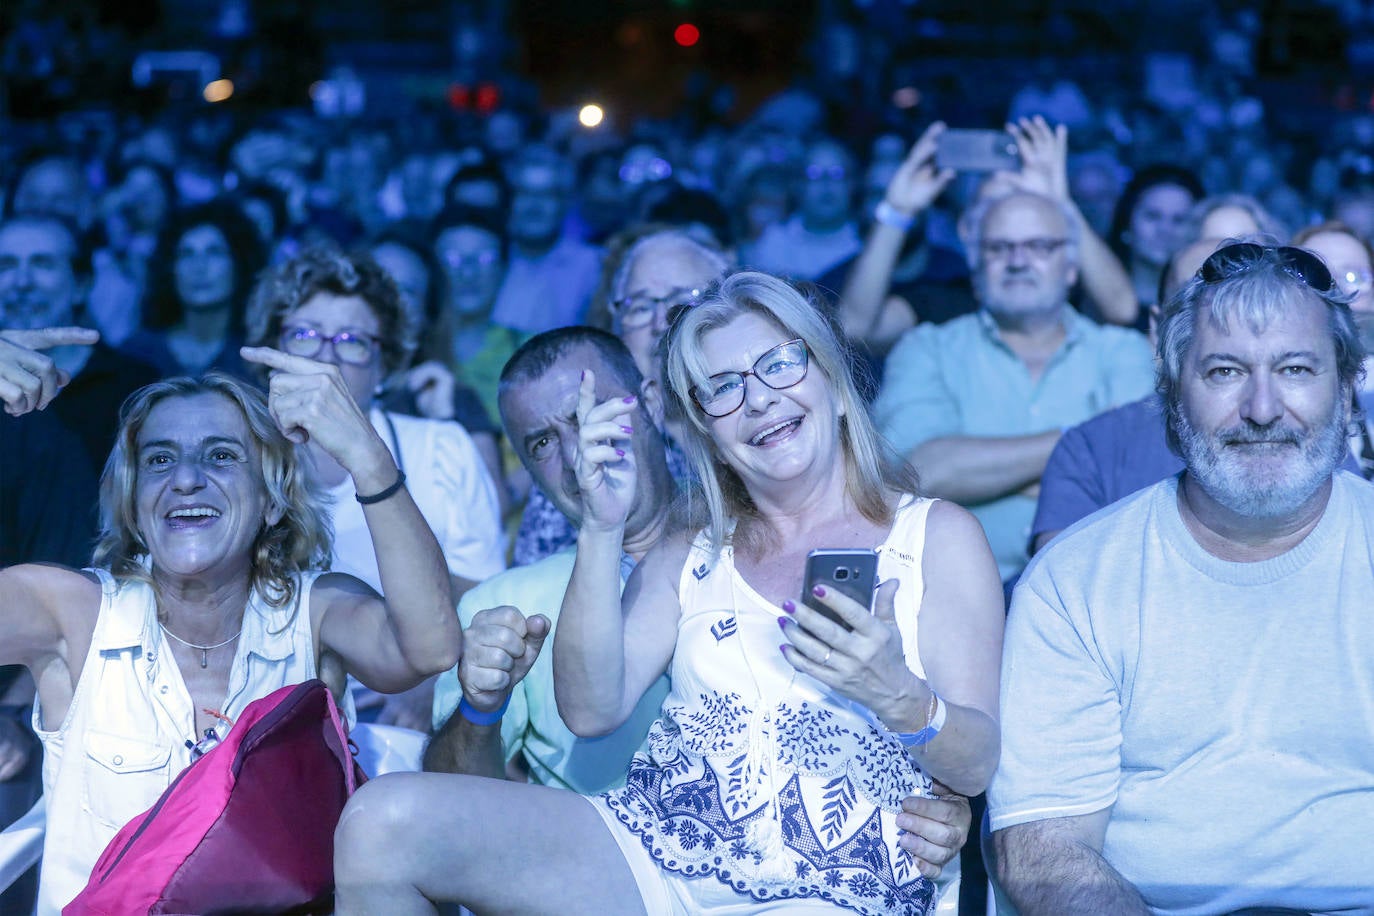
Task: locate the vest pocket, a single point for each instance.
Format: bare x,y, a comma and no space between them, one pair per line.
124,776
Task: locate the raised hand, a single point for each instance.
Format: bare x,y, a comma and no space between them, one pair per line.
917,182
29,379
432,384
1044,157
499,647
864,663
605,464
311,403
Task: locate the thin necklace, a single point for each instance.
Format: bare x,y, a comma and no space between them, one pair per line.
204,650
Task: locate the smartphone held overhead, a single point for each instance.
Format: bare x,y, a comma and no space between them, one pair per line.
976,151
851,572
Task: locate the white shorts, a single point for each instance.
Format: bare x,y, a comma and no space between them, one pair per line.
665,893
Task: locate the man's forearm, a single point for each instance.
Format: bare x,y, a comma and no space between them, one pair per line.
462,747
1047,871
976,469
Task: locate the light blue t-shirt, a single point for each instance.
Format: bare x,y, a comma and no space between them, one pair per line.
531,725
960,379
1223,711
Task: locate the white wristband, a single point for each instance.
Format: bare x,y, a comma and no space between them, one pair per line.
889,215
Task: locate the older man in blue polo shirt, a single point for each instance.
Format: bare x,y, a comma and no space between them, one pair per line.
978,403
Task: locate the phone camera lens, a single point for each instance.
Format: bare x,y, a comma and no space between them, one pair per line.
842,573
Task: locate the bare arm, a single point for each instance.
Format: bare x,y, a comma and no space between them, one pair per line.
500,647
1055,866
604,659
975,469
389,644
911,191
1044,169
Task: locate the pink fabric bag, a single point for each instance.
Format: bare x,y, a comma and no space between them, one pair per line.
248,828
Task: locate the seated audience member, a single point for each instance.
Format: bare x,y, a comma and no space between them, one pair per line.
821,232
550,277
201,273
509,617
978,403
729,805
45,275
207,591
343,311
662,271
1179,674
1149,225
132,214
1352,264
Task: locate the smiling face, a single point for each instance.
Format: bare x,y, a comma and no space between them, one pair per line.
1262,414
38,287
775,436
203,267
200,498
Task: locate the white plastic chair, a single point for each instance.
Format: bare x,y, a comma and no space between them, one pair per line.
388,748
21,844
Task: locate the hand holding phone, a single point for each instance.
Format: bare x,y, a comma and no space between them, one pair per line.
852,572
977,151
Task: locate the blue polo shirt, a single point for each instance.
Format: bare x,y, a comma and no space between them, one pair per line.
960,379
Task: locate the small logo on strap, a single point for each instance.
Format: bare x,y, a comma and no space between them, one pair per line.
723,628
701,572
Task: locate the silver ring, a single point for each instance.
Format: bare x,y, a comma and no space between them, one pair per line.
826,660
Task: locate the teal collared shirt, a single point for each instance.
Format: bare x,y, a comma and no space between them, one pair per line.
961,379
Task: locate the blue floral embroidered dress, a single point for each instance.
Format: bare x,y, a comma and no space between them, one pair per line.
762,777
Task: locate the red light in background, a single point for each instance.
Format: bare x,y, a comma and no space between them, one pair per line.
458,96
686,35
488,98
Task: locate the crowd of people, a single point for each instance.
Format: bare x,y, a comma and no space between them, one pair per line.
522,441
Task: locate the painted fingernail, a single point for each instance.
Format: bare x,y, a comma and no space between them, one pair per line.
629,399
789,607
784,621
583,376
620,452
818,591
783,648
627,430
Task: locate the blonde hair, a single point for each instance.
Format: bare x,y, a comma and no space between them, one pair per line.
303,537
873,471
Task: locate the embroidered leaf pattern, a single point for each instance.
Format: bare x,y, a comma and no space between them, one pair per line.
839,801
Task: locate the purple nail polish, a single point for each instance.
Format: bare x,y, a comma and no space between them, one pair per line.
620,452
629,399
627,430
789,607
783,648
818,591
784,621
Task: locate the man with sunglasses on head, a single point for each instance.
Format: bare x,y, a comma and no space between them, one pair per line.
1186,677
978,403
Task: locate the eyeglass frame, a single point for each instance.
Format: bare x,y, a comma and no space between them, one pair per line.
744,375
333,340
1239,257
1051,245
676,299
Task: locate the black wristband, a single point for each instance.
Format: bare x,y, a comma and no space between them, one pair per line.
385,494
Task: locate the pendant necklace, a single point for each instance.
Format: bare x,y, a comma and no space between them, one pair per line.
204,650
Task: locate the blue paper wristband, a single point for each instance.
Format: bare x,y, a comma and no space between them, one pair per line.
482,718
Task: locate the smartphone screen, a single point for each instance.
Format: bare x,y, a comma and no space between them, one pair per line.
976,151
851,572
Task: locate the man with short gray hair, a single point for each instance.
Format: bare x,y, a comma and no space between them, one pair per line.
978,403
1187,684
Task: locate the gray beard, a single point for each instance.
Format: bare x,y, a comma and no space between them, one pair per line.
1223,478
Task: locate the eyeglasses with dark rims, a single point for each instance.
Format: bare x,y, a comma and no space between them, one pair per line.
353,347
638,310
781,367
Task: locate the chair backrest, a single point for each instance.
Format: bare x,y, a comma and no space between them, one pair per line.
21,844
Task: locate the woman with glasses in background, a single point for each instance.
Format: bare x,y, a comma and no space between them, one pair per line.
345,310
775,778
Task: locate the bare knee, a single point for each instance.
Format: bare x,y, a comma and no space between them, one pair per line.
372,833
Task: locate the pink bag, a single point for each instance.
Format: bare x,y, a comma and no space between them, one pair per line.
248,828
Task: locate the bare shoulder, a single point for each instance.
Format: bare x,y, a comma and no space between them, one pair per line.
44,605
951,527
53,585
667,557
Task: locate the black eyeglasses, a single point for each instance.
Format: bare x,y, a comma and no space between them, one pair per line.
1298,263
781,367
